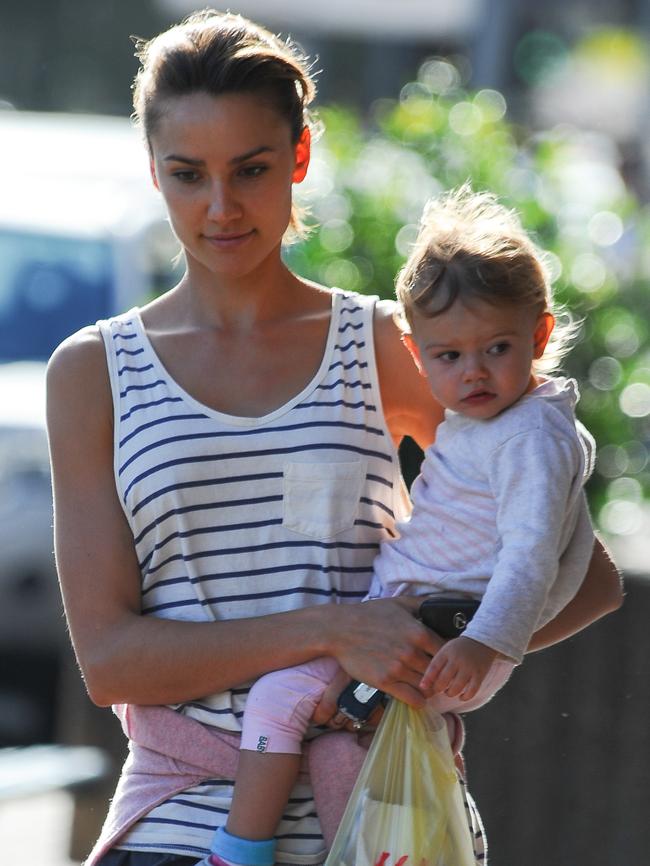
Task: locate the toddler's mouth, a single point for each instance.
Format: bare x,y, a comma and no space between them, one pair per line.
479,397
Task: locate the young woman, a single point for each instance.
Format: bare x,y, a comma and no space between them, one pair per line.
224,458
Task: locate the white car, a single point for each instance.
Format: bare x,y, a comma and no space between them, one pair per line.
83,235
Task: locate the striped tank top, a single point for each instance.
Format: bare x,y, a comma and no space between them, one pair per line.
237,517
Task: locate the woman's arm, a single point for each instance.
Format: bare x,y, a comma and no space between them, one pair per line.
129,658
409,406
601,593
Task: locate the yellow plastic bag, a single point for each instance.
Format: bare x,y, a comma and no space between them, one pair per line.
406,808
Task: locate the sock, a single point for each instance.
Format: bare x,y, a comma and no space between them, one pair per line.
235,851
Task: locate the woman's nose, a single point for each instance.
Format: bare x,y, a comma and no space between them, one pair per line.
222,206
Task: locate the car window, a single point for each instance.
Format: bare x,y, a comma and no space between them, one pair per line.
50,286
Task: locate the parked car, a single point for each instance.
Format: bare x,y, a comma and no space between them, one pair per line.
83,235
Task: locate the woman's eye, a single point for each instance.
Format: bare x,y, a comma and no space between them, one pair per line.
253,170
186,176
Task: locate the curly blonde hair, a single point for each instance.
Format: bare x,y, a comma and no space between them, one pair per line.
471,248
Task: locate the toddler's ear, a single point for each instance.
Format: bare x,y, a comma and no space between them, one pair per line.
411,345
543,330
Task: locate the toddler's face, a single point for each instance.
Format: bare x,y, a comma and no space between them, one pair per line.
478,359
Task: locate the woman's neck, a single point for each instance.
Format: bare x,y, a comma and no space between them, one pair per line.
238,302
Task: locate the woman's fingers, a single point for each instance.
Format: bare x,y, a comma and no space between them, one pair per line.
382,640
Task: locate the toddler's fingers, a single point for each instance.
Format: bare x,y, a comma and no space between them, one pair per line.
457,684
469,692
432,672
444,678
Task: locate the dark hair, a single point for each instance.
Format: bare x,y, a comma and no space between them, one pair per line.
471,248
218,53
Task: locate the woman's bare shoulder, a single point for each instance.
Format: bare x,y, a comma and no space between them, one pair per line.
77,376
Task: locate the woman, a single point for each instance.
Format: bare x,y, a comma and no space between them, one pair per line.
224,458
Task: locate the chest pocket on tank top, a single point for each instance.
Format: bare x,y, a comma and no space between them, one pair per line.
322,499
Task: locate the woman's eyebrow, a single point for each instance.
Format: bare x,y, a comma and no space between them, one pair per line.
236,160
264,148
175,157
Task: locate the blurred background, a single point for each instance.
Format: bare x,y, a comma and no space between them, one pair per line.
546,104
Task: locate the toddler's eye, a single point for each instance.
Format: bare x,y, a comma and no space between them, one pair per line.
448,357
498,349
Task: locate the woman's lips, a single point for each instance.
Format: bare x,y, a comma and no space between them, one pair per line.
229,241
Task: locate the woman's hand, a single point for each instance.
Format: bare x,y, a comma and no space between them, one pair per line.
381,643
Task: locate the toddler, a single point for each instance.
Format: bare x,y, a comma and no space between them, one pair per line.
499,511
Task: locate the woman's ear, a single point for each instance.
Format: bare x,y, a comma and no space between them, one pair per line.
302,156
411,345
543,330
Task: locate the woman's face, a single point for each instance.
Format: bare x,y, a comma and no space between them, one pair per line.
225,167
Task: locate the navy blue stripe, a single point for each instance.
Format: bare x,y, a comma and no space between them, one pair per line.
378,504
176,823
349,346
257,548
135,369
213,783
125,336
350,309
204,482
221,434
139,406
164,420
296,819
351,325
296,449
373,525
169,605
379,479
146,387
208,530
345,403
170,581
361,364
181,801
160,847
330,592
282,569
225,711
129,352
253,524
346,384
219,810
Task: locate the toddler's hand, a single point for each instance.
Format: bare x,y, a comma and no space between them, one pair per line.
458,668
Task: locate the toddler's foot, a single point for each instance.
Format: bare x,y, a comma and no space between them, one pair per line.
229,850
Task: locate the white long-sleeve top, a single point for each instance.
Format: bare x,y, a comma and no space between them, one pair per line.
499,513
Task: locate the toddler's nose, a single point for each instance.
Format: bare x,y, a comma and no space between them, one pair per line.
474,370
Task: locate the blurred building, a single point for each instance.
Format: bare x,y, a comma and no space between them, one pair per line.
71,55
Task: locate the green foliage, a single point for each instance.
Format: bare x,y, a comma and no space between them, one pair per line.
370,181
